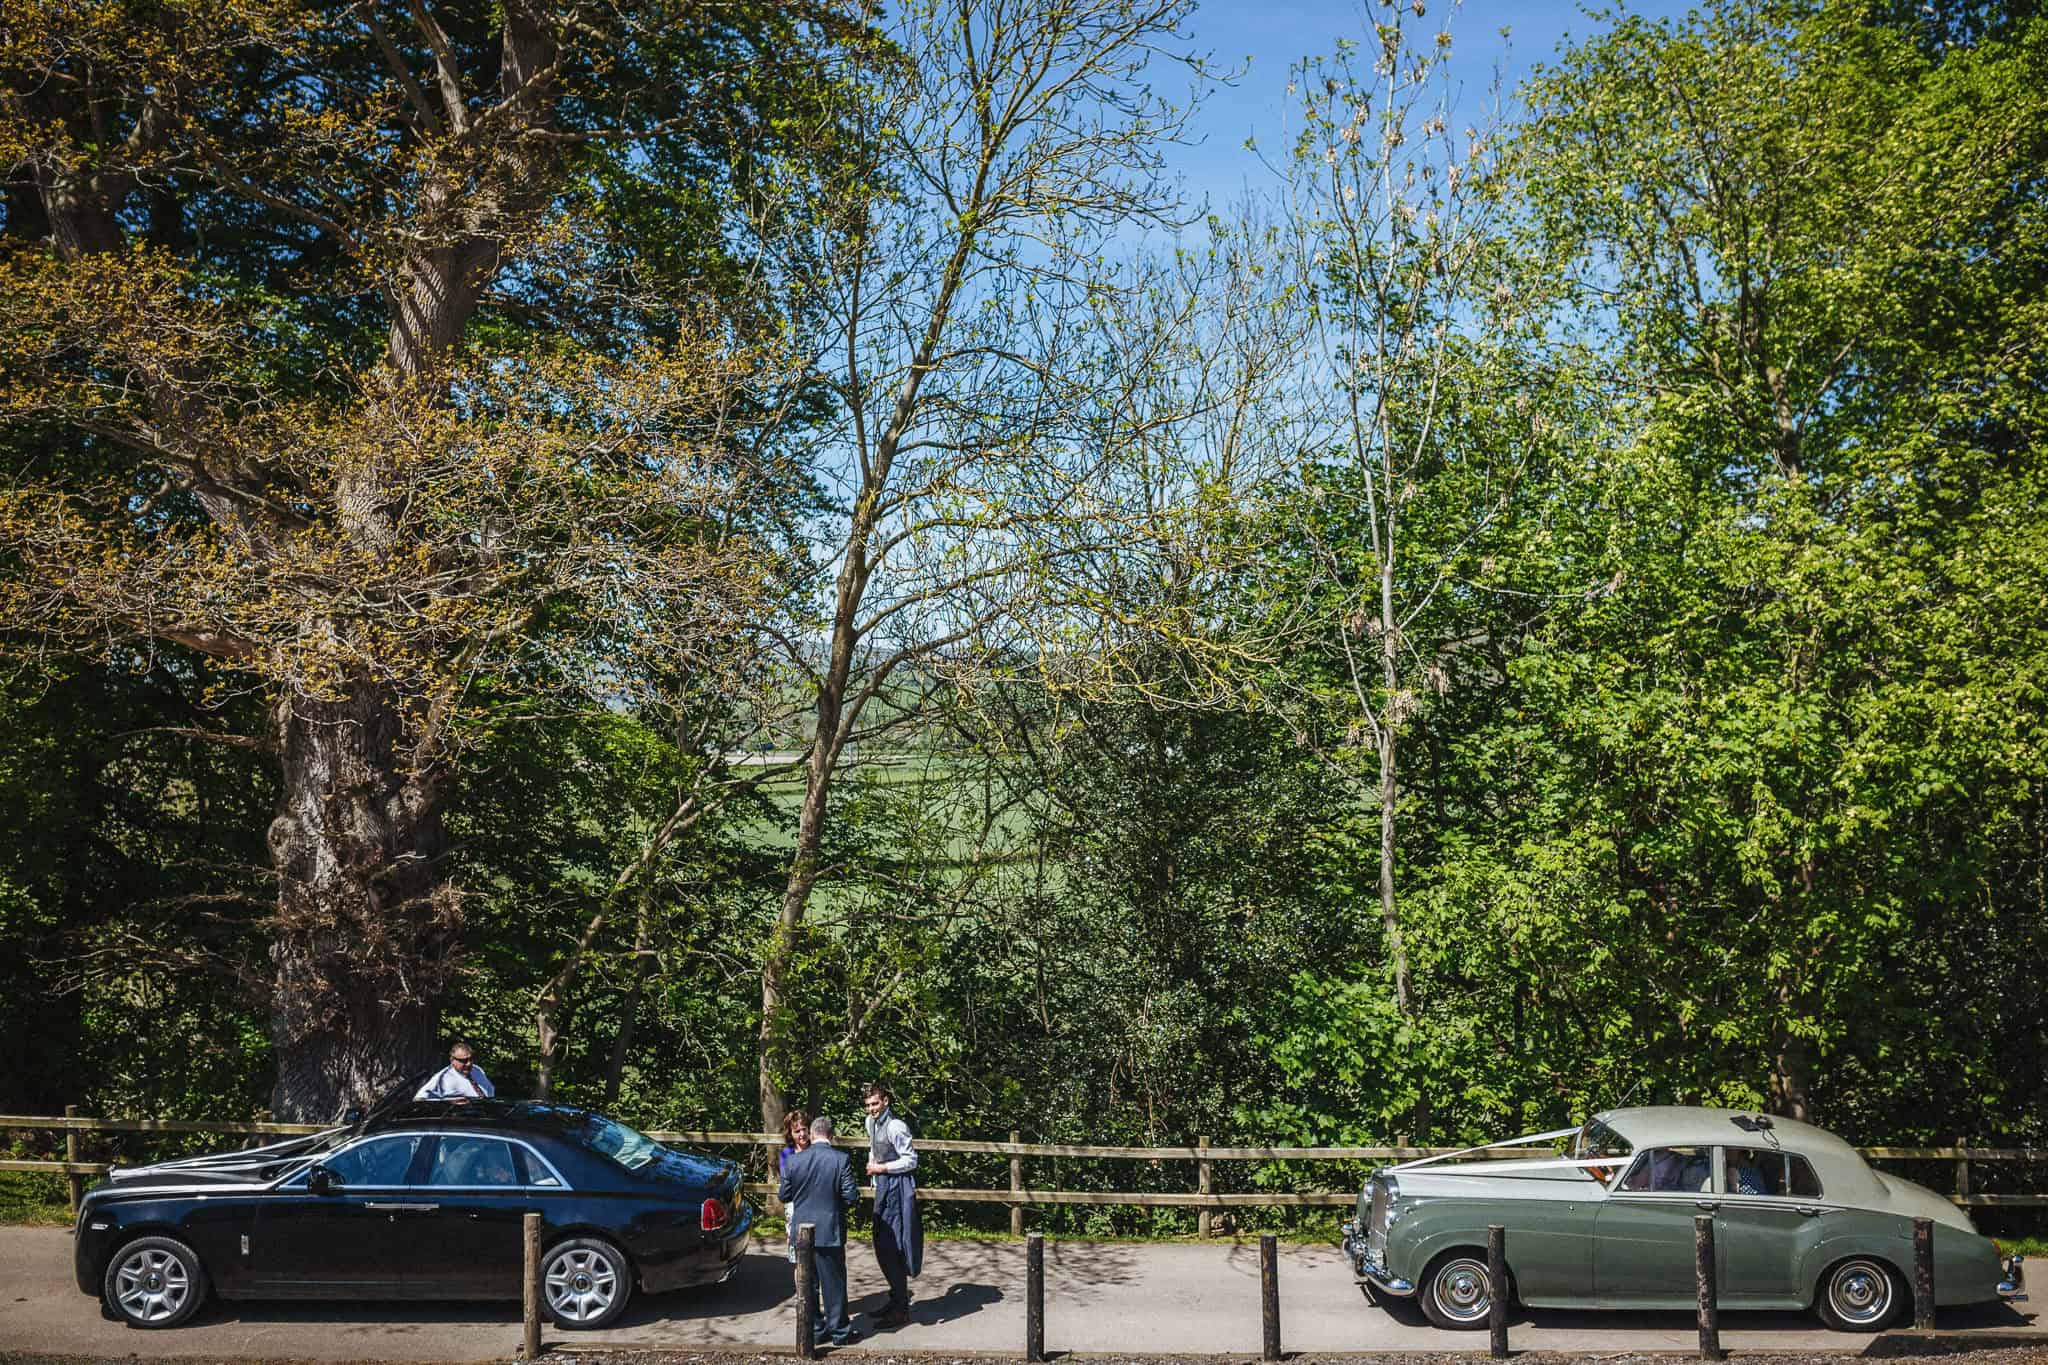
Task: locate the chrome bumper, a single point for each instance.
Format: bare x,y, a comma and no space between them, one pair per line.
2012,1285
1369,1271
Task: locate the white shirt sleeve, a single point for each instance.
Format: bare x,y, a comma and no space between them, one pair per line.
450,1084
898,1134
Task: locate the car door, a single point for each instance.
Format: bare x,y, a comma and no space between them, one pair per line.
471,1242
1643,1238
348,1242
1770,1216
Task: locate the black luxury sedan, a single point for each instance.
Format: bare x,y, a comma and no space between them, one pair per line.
419,1199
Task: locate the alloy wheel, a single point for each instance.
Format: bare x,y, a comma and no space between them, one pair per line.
581,1283
152,1285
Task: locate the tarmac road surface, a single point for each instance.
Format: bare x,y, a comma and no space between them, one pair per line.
1101,1297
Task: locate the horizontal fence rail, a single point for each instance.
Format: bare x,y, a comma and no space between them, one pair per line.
1017,1193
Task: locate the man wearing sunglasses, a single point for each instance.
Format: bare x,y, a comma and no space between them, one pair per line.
461,1079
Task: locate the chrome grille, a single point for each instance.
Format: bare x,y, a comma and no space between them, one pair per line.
1376,1221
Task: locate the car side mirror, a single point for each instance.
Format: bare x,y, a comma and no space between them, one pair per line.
320,1180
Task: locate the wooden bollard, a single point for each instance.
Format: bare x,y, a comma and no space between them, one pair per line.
71,1154
1269,1291
1923,1273
807,1290
529,1231
1497,1290
1202,1185
1016,1187
1710,1298
1034,1298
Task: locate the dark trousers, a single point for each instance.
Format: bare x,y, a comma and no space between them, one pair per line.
890,1257
895,1211
830,1282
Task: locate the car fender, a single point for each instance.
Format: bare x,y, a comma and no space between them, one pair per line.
1853,1232
1426,1231
96,1250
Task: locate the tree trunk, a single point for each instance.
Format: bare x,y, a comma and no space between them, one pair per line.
629,1008
1791,1076
1393,712
367,922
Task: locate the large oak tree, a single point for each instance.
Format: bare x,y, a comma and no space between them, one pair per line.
368,350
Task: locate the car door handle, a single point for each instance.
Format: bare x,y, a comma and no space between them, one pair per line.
1809,1211
1708,1204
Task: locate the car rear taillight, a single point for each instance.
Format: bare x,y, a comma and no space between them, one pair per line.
713,1216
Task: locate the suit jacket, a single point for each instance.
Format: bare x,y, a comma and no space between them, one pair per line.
817,1185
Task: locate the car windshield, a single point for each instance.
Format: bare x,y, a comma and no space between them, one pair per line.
627,1146
1597,1140
307,1151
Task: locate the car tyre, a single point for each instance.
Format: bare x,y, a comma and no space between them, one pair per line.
1455,1294
585,1283
153,1282
1861,1294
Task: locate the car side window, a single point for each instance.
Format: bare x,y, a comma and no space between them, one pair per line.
1801,1182
534,1171
473,1162
382,1162
1753,1170
1669,1170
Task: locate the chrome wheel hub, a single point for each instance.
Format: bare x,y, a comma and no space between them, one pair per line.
152,1285
1860,1292
1461,1290
581,1284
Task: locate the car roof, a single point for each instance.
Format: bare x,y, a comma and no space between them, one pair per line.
1841,1168
520,1116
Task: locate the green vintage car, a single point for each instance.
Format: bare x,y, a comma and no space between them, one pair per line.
1800,1221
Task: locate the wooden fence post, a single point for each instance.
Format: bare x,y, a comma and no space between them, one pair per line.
807,1290
1016,1186
1202,1184
1962,1171
1269,1292
1497,1290
529,1230
1923,1273
1034,1298
76,1180
1709,1291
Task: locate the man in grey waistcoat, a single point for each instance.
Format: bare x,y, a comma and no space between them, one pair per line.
817,1188
899,1230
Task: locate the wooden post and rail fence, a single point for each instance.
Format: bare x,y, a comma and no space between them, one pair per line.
1018,1195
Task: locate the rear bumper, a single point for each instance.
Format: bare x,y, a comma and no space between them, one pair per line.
2012,1281
711,1263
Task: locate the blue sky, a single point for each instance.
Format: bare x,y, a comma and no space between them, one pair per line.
1274,34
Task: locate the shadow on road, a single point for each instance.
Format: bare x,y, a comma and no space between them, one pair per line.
1081,1264
761,1283
396,1315
958,1301
1987,1318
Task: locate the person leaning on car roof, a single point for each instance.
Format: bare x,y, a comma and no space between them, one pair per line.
461,1079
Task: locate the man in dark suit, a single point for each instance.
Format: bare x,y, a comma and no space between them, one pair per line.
817,1188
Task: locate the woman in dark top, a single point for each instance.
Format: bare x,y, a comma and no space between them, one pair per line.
796,1135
